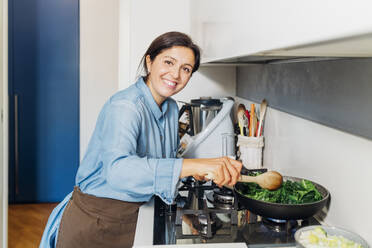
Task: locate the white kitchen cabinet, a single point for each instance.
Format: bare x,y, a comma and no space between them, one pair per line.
239,28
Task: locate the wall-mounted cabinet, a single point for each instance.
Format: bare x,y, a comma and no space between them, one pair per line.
243,31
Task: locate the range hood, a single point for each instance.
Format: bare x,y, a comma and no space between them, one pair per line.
350,47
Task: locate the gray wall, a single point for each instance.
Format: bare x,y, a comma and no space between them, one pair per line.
336,93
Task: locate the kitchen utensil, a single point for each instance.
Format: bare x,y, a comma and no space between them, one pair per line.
270,180
330,230
200,113
241,106
204,110
250,149
262,116
283,211
255,125
245,124
247,117
240,116
251,123
207,143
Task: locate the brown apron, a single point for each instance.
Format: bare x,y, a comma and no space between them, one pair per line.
93,222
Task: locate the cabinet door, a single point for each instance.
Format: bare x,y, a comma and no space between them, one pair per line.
44,99
237,28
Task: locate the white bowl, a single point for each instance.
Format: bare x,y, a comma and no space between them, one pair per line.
330,230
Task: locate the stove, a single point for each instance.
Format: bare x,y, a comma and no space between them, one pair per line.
204,213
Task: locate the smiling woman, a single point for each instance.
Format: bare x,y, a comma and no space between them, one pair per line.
171,70
132,154
170,59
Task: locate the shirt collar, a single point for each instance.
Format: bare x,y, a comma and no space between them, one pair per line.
150,101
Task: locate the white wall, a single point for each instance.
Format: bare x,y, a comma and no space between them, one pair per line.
141,21
99,40
4,123
148,19
339,161
1,121
210,81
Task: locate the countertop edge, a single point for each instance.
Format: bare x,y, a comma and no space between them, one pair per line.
145,225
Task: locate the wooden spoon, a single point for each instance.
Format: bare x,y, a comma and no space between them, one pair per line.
263,107
270,180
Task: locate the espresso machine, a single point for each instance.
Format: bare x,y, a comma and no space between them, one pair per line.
208,121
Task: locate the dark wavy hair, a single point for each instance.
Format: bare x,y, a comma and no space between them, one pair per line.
165,41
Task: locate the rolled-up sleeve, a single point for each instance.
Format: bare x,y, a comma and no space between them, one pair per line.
165,185
139,177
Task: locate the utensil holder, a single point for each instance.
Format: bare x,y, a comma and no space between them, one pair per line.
250,149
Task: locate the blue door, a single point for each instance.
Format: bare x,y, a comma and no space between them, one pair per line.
43,99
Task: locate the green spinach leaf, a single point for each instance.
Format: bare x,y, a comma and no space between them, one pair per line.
289,193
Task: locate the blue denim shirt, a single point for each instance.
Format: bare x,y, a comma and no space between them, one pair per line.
131,155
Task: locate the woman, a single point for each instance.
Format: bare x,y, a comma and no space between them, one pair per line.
132,155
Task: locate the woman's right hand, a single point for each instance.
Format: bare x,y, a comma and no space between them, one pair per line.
223,170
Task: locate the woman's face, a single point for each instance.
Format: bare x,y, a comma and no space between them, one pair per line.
169,72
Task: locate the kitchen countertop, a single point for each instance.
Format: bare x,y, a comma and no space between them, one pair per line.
222,245
145,225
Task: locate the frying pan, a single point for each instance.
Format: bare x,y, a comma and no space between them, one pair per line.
282,211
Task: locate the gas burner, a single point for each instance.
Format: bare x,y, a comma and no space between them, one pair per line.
201,224
191,183
219,201
280,225
223,195
203,220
